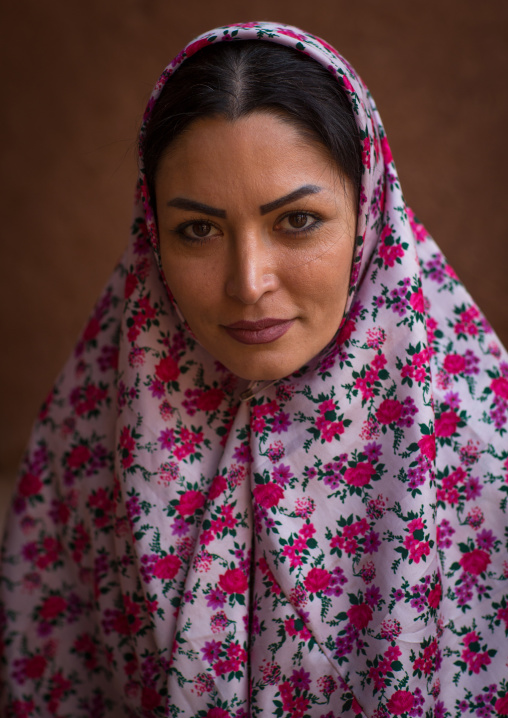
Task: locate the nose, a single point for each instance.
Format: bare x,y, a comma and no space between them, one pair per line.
253,268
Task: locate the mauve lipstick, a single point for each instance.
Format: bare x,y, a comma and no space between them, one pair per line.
261,331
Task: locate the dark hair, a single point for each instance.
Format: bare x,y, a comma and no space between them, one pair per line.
233,79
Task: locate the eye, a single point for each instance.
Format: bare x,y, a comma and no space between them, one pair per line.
198,230
296,222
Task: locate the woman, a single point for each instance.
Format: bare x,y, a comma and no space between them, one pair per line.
261,484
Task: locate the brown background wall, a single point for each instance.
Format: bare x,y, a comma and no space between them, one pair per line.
77,74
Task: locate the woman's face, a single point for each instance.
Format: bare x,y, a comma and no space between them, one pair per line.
257,231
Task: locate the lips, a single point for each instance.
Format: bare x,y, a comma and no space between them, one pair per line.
261,331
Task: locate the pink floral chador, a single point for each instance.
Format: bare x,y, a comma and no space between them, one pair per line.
336,546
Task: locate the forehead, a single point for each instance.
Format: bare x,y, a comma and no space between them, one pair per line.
219,156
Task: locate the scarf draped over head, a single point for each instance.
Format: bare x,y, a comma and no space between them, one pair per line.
336,546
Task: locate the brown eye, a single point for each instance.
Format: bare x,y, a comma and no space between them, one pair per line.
298,220
298,223
201,229
198,231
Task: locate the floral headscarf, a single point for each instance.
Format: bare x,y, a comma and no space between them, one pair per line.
336,546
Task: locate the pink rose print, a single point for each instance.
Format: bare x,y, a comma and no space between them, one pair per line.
195,46
446,424
131,282
417,301
268,495
434,597
52,607
356,707
360,615
501,705
150,698
219,485
78,456
233,581
317,580
167,567
427,446
35,667
346,331
500,387
29,485
167,370
190,502
400,702
389,410
360,474
92,329
475,562
291,33
218,713
385,149
454,363
210,400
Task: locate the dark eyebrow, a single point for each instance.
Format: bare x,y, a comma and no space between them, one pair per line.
192,206
291,197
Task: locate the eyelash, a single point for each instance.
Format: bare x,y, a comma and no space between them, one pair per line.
180,231
304,232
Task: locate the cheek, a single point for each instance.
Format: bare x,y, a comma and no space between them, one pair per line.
325,284
194,285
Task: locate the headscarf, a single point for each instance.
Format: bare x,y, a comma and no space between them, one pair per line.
335,546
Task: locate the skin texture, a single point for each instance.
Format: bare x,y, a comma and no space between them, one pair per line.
250,261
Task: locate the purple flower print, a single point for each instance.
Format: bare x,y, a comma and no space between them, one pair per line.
215,599
372,595
148,562
281,474
167,439
416,477
179,527
485,539
452,398
108,358
281,422
372,542
132,506
30,551
157,389
399,301
344,643
409,409
44,628
332,480
464,591
39,460
473,488
419,700
444,532
242,454
310,472
300,679
435,269
337,580
472,362
419,603
373,451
